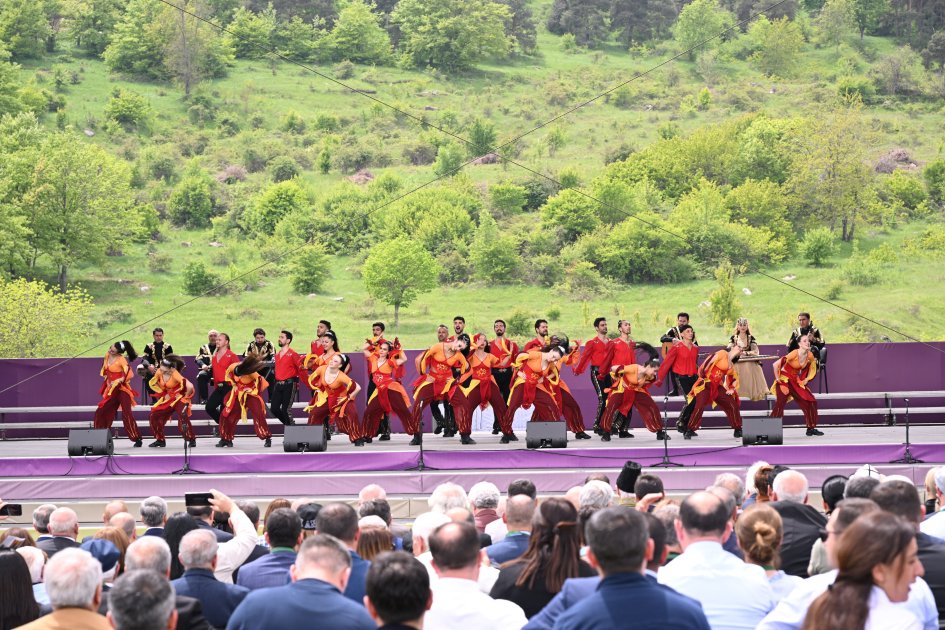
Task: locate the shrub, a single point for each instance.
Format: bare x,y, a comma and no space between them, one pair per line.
159,263
849,86
618,154
283,168
449,158
818,246
198,280
507,199
292,122
420,153
191,203
861,271
934,175
308,269
904,188
834,289
127,108
520,324
343,70
275,203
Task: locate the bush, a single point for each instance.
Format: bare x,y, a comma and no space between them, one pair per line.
198,280
308,269
849,86
159,263
191,204
834,289
127,108
283,168
934,175
618,154
818,246
520,324
343,70
861,271
507,199
420,153
545,270
448,160
292,122
352,156
275,203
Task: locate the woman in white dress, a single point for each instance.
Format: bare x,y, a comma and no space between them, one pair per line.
751,379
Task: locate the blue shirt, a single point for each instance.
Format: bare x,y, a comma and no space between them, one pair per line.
267,571
509,548
303,604
630,600
357,583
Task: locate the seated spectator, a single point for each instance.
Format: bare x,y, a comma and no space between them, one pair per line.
648,485
111,509
198,555
398,591
447,496
204,517
729,544
36,561
626,482
274,505
63,531
619,547
142,600
519,512
381,508
370,492
553,556
759,533
934,525
877,562
460,515
931,492
860,487
802,523
832,493
118,538
41,520
573,496
153,516
484,500
596,494
283,537
597,476
17,604
107,554
319,576
457,600
667,515
21,533
734,484
251,510
74,584
375,538
496,530
178,526
125,522
733,594
341,521
308,512
752,481
902,499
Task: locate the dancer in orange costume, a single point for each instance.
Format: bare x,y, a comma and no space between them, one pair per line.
478,388
116,390
793,372
718,385
385,365
174,394
334,398
631,383
435,367
244,399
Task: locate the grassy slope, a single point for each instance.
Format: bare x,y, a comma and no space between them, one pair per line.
514,96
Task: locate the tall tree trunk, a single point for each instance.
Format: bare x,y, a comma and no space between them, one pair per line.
396,314
62,278
843,234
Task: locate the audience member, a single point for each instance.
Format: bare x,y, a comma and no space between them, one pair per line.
802,523
74,585
111,509
63,531
519,511
381,508
118,538
204,516
153,516
573,496
142,600
41,520
178,526
308,512
647,485
36,561
251,510
752,482
398,592
733,594
232,553
934,525
125,522
319,576
198,555
375,538
619,548
877,562
447,496
626,481
596,494
734,484
462,515
657,533
457,600
17,604
860,487
832,493
283,537
22,537
484,500
760,531
729,544
497,529
371,492
931,492
553,556
667,514
597,476
902,499
274,505
107,555
341,521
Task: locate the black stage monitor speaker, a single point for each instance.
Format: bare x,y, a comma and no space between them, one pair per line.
762,431
546,435
90,442
304,438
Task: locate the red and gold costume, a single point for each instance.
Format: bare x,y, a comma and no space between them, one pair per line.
791,384
435,381
620,352
716,375
630,390
504,350
221,362
682,363
389,396
334,402
545,389
536,344
174,395
116,392
244,399
595,354
477,388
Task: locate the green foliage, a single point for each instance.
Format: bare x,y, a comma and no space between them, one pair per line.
867,13
137,44
397,271
38,321
292,122
192,204
11,101
934,176
762,205
439,218
860,270
571,213
451,34
777,45
357,36
856,86
482,137
586,20
835,22
91,23
250,34
197,280
494,256
899,72
818,246
725,306
275,203
24,27
298,40
521,25
449,158
583,281
699,21
519,324
127,108
904,189
283,168
309,269
507,199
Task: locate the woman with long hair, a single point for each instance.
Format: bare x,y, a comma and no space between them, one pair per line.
682,362
334,399
791,375
17,604
435,367
477,388
116,390
760,532
173,394
751,378
177,526
877,562
385,365
244,399
631,383
374,541
553,556
23,534
119,538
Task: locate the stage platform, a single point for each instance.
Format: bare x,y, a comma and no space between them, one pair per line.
36,471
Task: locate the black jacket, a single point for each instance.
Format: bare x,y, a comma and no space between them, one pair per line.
802,525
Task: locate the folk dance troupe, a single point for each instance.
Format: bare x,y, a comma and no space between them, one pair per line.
456,376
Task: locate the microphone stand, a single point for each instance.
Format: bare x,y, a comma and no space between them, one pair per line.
186,469
908,457
421,465
667,462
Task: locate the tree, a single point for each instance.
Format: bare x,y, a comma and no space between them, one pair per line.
572,213
507,199
250,34
494,256
127,108
38,321
699,25
136,46
585,19
191,204
23,27
520,26
91,23
725,307
309,269
482,138
899,71
357,36
10,102
451,34
867,13
835,22
276,202
397,271
79,203
642,20
777,45
193,49
934,55
449,159
818,246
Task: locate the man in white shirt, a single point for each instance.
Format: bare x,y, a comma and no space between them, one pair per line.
791,611
935,525
734,595
457,600
233,553
422,528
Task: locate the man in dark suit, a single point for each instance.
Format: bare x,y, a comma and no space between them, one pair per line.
284,535
801,522
902,499
198,555
619,548
203,515
341,521
519,511
154,516
64,529
319,576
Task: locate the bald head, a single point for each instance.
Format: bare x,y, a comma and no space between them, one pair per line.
461,515
149,552
790,485
113,508
322,557
64,522
519,511
704,515
574,496
125,522
371,492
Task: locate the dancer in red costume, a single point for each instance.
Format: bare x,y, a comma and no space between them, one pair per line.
718,385
793,372
621,351
631,383
245,399
116,390
435,367
385,365
477,388
541,337
334,398
174,394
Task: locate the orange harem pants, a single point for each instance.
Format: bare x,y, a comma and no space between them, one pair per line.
160,417
641,401
423,395
105,414
346,422
725,401
255,408
465,405
808,407
375,411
